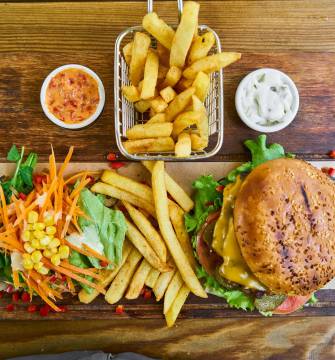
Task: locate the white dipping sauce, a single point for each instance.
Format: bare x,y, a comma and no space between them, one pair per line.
267,98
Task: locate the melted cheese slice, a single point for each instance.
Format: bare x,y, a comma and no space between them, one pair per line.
234,268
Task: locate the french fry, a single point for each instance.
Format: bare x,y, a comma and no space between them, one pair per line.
172,291
172,314
177,219
142,106
168,94
152,113
162,72
141,244
158,118
149,145
123,182
183,84
147,131
165,226
150,233
159,29
110,190
179,103
137,282
106,275
163,54
122,279
185,120
184,34
162,283
131,93
174,189
198,144
211,63
150,76
158,104
201,84
127,49
201,47
173,75
139,53
183,145
150,281
202,125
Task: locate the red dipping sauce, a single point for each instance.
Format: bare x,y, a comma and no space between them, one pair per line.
72,95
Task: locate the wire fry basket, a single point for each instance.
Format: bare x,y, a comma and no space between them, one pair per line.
126,115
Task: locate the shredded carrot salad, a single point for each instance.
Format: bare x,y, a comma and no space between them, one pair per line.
35,230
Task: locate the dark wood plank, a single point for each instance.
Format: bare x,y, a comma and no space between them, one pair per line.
295,36
195,308
230,339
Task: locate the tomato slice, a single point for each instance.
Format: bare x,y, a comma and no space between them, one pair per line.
291,304
208,258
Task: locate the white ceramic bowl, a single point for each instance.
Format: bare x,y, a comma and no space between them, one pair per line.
270,128
80,124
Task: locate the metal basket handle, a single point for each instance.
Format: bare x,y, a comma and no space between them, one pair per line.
150,7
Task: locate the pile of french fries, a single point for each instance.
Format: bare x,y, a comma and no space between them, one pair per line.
157,252
170,83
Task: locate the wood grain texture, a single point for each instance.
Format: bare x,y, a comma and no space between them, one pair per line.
194,308
230,339
297,37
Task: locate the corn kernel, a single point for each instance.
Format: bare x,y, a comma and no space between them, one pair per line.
49,220
38,266
35,243
47,253
51,230
26,256
32,217
27,264
54,250
25,235
64,251
55,259
45,240
39,226
27,246
38,234
36,256
54,243
43,270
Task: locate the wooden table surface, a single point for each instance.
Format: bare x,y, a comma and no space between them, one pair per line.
297,36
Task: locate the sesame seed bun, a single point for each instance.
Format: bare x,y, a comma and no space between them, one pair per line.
284,220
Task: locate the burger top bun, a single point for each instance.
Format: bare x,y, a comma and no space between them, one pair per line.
284,220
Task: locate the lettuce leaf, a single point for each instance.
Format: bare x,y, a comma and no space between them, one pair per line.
260,153
207,200
235,298
106,224
81,261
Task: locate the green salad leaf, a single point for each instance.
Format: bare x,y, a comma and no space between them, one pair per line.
109,225
81,261
260,153
207,200
235,298
5,268
22,180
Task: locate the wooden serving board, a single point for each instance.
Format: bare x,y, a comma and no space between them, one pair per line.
213,307
295,36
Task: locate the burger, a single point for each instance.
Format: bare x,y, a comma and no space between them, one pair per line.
264,235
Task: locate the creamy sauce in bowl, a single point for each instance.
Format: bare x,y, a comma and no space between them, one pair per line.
267,100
